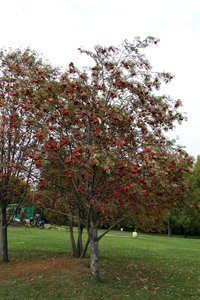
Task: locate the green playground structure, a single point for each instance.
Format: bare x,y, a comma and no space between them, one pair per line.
28,212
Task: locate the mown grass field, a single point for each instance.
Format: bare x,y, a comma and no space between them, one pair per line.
146,267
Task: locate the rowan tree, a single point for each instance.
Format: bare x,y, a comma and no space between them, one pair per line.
185,215
108,134
26,87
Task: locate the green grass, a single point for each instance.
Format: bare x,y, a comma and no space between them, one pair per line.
147,267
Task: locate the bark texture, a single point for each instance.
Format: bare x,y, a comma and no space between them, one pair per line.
4,236
94,246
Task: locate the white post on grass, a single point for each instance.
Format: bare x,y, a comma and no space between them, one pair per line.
134,234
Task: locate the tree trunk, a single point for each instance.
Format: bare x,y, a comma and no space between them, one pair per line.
72,241
94,247
169,227
71,231
185,233
85,248
80,233
4,236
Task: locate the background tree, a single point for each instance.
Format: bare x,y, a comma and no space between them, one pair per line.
185,217
26,85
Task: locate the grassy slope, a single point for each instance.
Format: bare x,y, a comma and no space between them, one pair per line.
147,267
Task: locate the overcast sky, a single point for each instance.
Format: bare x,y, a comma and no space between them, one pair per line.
57,28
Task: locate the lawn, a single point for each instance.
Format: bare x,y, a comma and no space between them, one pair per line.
146,267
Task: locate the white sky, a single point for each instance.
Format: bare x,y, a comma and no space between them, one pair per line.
57,28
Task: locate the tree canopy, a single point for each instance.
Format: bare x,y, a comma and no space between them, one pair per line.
95,136
25,83
106,137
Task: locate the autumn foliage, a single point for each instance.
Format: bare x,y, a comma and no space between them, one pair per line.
107,132
107,137
96,136
25,84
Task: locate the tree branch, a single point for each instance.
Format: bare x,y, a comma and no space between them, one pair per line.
65,214
111,227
